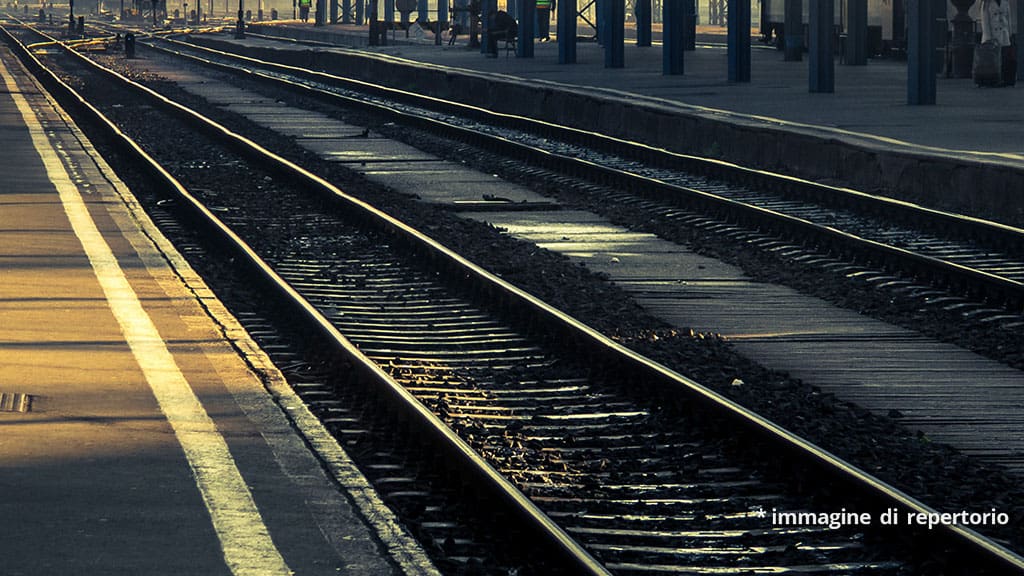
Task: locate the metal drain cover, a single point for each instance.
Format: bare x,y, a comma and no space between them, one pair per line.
15,402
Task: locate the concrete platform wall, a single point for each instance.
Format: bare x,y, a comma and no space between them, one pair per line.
989,189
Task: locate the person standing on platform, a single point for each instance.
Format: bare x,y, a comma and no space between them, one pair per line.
544,10
304,6
995,28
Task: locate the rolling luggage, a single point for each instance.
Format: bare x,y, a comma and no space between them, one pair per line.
987,65
1009,65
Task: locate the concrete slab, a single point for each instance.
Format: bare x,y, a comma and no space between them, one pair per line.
838,350
854,357
369,149
271,109
313,130
964,153
447,183
102,476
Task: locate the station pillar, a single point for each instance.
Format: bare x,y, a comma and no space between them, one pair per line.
962,42
738,22
320,18
690,25
642,13
821,63
566,30
793,30
372,10
442,15
672,37
526,13
856,49
240,23
1020,35
615,33
487,7
920,52
389,21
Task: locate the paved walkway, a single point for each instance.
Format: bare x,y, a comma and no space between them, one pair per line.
869,102
134,439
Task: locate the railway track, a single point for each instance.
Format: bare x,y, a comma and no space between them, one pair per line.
646,482
957,254
957,263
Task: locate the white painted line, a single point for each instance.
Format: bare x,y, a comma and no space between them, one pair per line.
267,398
245,541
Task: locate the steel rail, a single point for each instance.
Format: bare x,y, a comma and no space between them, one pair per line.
499,491
632,149
613,358
641,151
958,276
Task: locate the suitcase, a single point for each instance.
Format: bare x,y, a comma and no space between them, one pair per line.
1009,65
987,65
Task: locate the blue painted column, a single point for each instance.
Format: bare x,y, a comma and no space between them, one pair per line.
642,12
1020,38
738,23
764,18
360,15
920,52
442,12
373,15
615,34
939,36
856,49
486,7
690,25
793,30
672,37
566,30
526,14
422,10
822,66
389,21
346,11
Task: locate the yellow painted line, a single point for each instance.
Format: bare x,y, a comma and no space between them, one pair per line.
245,540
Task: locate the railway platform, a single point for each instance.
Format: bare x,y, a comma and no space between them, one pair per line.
869,102
967,151
141,432
880,366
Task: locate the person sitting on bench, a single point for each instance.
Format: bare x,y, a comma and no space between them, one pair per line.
500,26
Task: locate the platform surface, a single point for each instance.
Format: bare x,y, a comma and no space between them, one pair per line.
882,367
869,102
149,445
